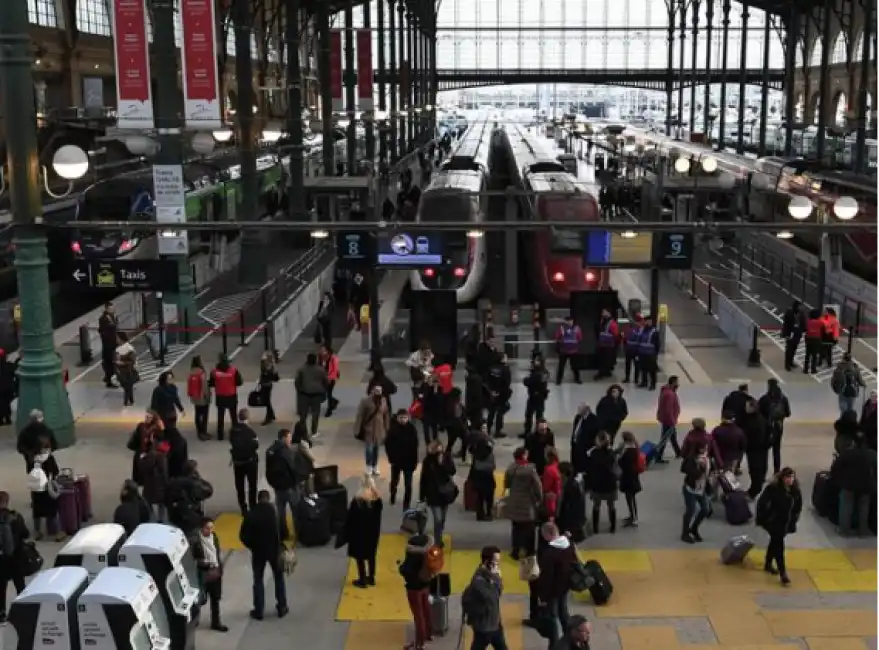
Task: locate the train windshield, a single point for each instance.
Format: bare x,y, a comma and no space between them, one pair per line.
112,202
448,207
567,241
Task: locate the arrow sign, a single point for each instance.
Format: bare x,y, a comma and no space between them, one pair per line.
79,276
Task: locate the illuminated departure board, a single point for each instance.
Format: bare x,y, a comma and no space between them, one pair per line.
612,249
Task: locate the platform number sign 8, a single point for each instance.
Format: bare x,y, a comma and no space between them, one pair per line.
354,247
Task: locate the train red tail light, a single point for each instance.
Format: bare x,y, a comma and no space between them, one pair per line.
460,272
429,273
590,276
558,276
127,245
75,247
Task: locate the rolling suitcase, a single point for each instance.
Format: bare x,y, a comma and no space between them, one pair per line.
601,588
315,522
414,521
470,496
736,549
825,498
83,486
439,615
69,517
736,508
326,477
336,499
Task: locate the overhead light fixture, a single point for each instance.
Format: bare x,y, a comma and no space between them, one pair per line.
800,207
845,208
222,135
785,234
628,234
320,234
709,164
682,165
475,234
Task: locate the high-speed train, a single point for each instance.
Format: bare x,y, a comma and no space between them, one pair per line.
771,183
555,258
453,194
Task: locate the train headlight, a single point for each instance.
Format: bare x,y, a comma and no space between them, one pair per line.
709,164
800,207
460,272
429,273
222,135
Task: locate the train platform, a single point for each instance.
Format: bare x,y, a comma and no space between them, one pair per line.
668,595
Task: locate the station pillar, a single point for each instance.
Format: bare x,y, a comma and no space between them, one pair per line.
296,197
39,370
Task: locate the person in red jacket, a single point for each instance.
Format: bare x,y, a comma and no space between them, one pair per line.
225,380
699,437
832,330
330,363
815,334
668,410
551,480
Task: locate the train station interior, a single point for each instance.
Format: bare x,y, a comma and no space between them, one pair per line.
674,200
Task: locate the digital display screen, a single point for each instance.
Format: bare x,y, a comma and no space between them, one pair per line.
612,249
405,250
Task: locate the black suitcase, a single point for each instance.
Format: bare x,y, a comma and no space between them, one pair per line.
601,588
825,497
736,508
337,500
315,522
326,477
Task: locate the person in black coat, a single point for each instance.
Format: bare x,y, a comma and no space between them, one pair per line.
362,531
261,535
571,508
735,402
758,441
868,421
132,510
775,409
166,399
612,411
432,401
603,481
379,378
475,396
537,385
630,476
499,382
481,474
583,433
44,504
401,447
178,451
7,388
244,449
34,438
537,444
778,512
854,473
457,426
436,487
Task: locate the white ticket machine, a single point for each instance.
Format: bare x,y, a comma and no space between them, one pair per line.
164,553
93,548
44,615
121,610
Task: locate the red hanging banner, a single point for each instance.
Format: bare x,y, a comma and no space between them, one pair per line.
364,70
134,104
335,70
201,101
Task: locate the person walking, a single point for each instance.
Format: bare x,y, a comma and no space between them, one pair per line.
603,476
436,487
793,326
695,468
757,443
13,533
268,376
260,534
152,469
612,410
481,602
199,392
225,380
401,447
108,330
775,409
481,475
325,311
34,438
847,383
208,556
126,368
778,512
362,530
631,468
537,385
165,400
556,562
311,384
577,635
524,496
537,444
287,469
244,448
668,410
371,426
416,579
571,507
330,363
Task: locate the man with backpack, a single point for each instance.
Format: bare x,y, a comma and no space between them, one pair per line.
775,409
288,467
244,446
13,531
847,382
481,602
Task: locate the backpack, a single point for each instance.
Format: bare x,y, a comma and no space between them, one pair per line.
474,606
433,563
777,411
37,481
642,462
276,472
241,449
849,384
7,539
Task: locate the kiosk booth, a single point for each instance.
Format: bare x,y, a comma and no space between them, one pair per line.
121,610
164,553
93,548
44,615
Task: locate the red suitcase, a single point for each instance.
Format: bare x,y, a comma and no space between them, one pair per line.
69,517
470,497
83,487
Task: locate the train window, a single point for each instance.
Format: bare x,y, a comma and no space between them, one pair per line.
567,241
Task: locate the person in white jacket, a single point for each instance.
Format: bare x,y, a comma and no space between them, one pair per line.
420,362
126,368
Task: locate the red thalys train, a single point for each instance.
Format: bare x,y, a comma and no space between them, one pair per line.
554,257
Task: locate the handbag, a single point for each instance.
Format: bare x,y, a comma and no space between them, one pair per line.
255,398
529,570
416,409
31,560
500,508
288,560
361,435
448,492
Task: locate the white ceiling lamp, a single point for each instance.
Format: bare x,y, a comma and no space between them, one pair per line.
709,164
202,143
70,162
475,234
222,135
800,207
682,165
845,208
320,234
628,234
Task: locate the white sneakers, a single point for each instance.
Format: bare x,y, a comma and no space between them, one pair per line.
372,471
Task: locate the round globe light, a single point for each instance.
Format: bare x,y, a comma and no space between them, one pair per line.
682,165
140,145
70,162
709,164
223,135
800,207
845,208
202,143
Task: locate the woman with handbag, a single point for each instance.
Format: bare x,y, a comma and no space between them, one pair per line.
126,368
371,426
436,487
207,552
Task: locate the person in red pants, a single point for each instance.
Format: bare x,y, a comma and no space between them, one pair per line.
417,578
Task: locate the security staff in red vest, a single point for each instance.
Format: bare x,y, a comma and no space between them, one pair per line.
631,343
815,331
225,380
608,340
568,340
648,349
831,335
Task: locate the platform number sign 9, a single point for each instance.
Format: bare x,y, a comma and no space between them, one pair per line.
674,250
355,248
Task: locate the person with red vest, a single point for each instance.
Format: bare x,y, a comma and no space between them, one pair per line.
608,341
225,380
832,331
444,374
815,331
568,340
330,363
199,394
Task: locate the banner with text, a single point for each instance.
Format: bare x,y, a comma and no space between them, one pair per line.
169,192
336,70
134,103
201,99
364,70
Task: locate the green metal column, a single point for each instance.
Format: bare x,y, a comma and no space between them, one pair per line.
326,92
168,110
350,92
417,99
394,83
252,269
42,386
296,205
370,124
411,95
404,78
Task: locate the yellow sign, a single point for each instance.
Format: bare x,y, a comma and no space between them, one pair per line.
663,313
364,314
105,279
16,313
